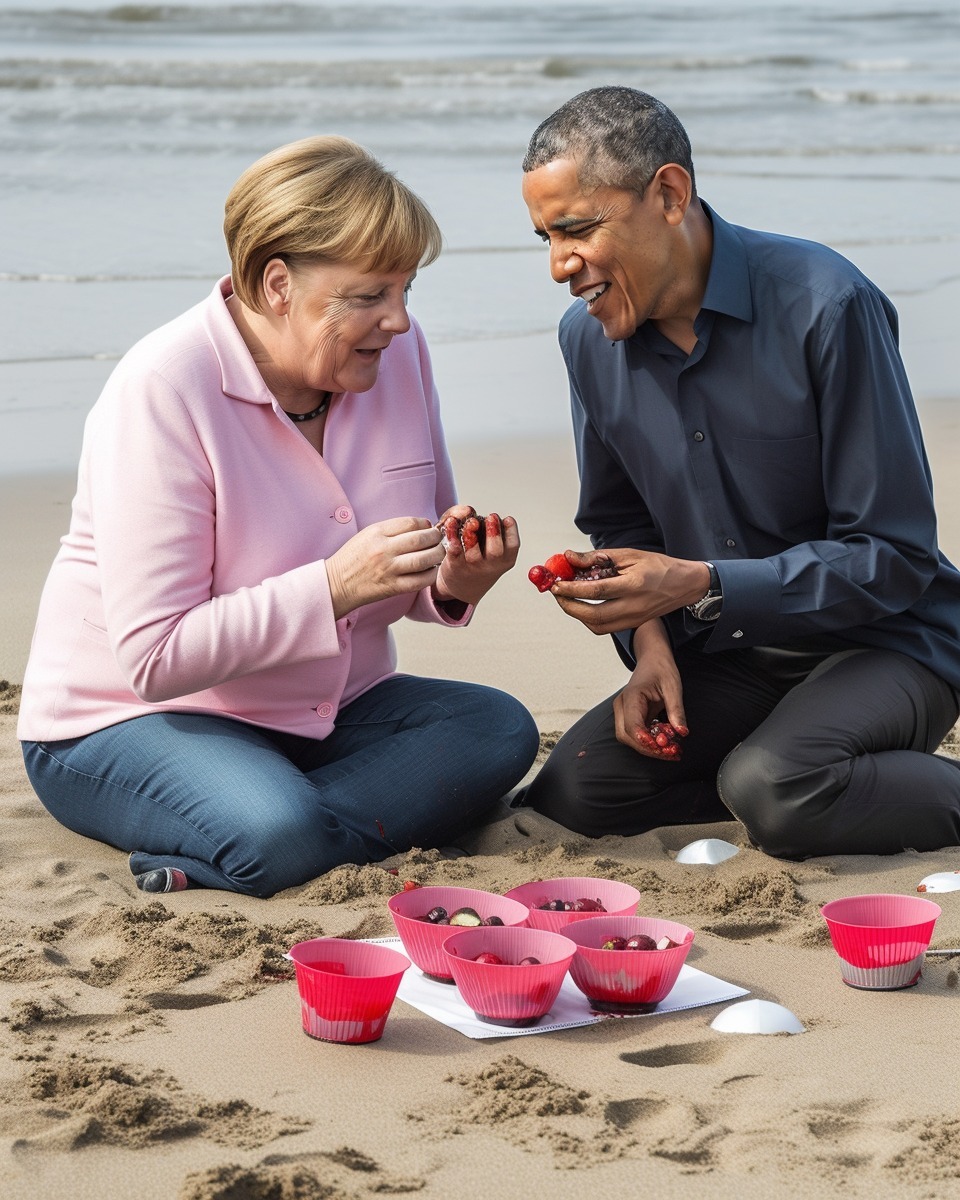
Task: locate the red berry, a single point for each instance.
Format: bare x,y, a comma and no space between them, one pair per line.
410,884
472,532
542,579
493,960
529,961
557,565
665,737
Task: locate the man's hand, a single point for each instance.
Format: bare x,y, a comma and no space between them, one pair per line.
654,688
646,586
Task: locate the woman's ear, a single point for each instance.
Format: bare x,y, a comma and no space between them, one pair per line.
276,286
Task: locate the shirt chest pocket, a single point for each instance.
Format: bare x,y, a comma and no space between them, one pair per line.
777,484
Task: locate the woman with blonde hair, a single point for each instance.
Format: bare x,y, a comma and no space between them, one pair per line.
264,489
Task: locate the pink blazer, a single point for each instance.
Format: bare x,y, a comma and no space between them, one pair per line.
193,577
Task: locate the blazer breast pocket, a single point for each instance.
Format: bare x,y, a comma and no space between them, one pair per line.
411,470
410,488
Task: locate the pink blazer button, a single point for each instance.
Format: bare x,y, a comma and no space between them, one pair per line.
324,710
343,514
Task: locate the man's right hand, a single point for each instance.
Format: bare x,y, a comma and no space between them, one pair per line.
647,585
654,688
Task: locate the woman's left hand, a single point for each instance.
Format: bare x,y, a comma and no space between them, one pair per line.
468,573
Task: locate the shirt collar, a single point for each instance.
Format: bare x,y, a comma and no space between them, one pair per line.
728,284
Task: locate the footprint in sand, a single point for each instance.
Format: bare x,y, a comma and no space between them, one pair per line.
181,1001
742,931
686,1054
625,1113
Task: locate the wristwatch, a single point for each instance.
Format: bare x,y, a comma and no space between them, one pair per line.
709,608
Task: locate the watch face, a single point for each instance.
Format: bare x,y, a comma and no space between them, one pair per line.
709,608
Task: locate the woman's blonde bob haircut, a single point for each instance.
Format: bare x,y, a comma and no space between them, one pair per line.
323,199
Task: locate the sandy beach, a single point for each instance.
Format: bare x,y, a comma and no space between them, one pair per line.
152,1047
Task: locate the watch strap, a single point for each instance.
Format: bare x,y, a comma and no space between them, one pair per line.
708,607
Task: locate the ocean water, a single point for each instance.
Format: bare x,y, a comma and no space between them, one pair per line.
123,126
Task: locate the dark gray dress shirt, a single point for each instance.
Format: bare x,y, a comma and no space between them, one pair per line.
785,448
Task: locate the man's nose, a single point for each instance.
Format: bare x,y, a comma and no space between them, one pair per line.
564,263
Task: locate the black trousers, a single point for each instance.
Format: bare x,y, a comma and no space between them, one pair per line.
816,752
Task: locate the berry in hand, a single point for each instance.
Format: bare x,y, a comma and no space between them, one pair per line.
663,739
559,568
545,575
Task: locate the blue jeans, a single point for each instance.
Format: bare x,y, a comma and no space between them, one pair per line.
411,762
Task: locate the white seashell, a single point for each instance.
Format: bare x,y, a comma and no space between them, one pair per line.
706,850
757,1016
941,881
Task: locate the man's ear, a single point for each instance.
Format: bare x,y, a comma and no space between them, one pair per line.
675,188
276,286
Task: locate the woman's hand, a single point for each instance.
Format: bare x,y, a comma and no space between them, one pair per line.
654,687
468,574
389,558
